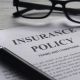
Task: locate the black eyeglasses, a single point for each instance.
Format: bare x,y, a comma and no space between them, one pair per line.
38,9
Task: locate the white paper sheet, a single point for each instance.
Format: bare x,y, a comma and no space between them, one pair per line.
56,54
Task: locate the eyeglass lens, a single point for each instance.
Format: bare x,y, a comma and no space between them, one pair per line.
75,10
37,11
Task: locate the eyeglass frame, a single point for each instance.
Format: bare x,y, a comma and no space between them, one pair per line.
17,3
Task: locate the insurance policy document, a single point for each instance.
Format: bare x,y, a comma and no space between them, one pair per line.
53,49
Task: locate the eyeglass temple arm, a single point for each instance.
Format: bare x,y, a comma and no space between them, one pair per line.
16,14
31,6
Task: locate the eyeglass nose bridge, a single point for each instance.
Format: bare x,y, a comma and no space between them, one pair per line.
55,3
62,3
